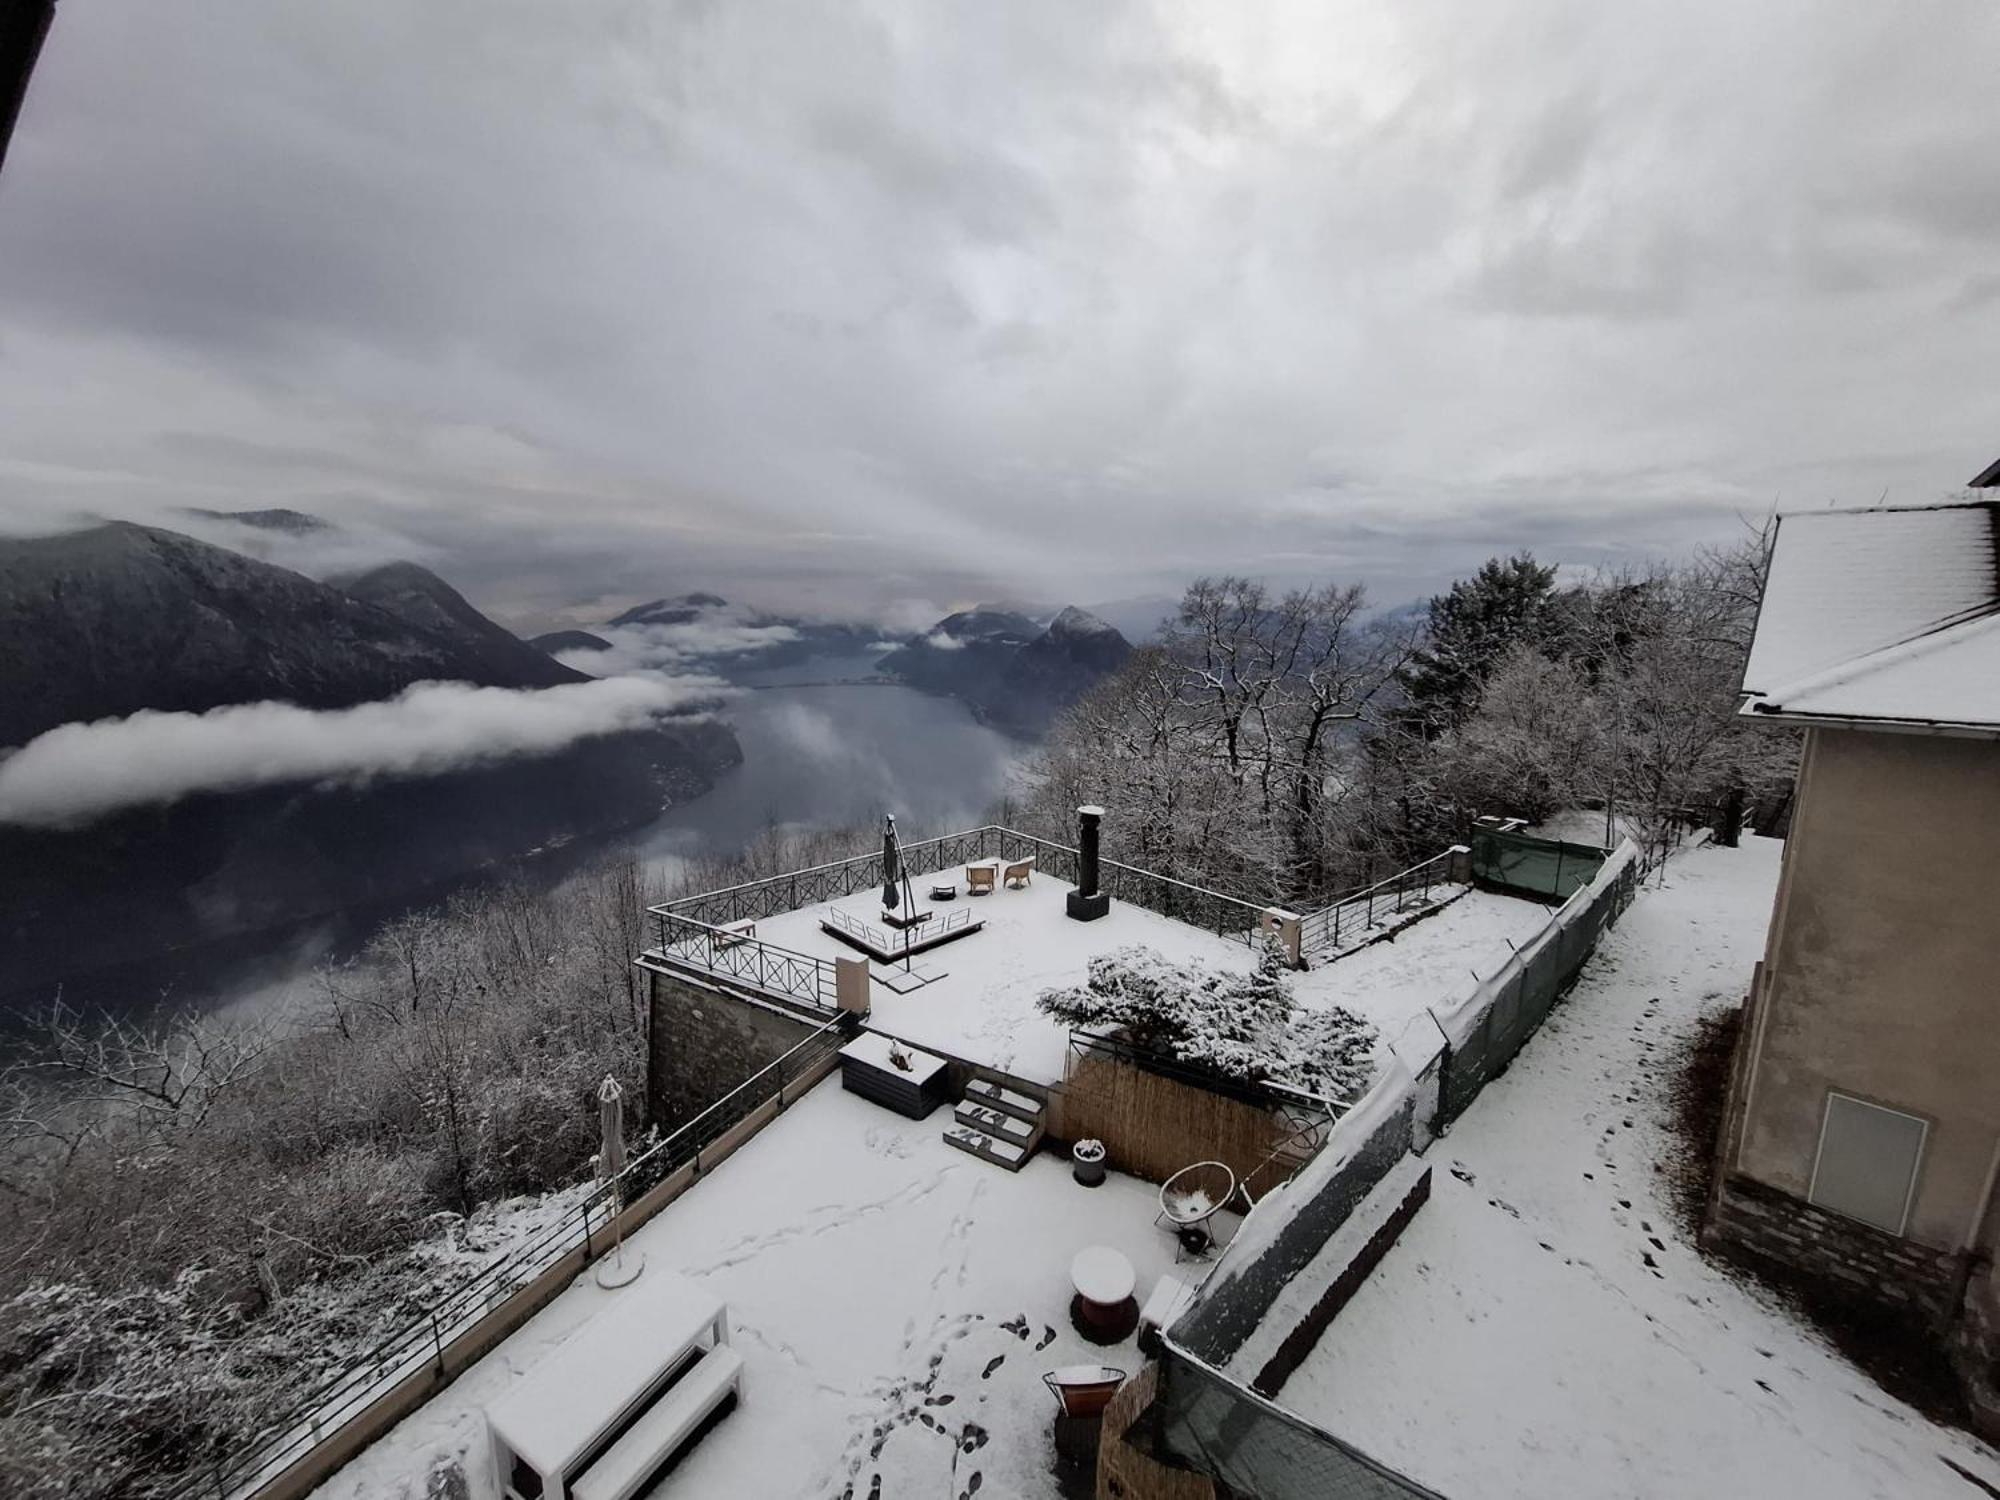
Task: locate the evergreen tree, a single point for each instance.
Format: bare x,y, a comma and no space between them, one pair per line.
1471,629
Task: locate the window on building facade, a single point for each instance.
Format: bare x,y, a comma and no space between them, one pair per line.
1867,1163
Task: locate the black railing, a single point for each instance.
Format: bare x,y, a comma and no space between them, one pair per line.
1227,916
1346,919
425,1338
743,958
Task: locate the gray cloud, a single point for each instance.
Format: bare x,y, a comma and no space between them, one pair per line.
824,309
80,772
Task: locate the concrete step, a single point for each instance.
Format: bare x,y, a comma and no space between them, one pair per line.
1000,1127
978,1143
991,1095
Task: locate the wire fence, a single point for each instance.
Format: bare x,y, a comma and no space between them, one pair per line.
1352,916
425,1344
1489,1027
1216,1422
1522,865
1256,1447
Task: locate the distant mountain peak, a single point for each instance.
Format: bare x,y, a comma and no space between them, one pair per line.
1010,670
1075,621
679,609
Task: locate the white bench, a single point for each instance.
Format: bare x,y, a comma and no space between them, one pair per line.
631,1463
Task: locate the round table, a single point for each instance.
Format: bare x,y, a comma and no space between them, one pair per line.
1104,1309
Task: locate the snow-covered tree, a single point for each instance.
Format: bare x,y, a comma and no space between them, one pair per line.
1242,1026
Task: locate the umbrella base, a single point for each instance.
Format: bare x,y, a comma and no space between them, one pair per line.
619,1269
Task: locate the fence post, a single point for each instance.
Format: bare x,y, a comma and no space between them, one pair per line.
437,1343
585,1213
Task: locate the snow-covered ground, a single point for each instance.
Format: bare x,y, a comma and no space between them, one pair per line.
983,1008
895,1303
1545,1327
1430,963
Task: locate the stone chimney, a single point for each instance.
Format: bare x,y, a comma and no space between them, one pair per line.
1087,903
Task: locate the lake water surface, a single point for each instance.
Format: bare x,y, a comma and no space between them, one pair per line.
821,749
820,752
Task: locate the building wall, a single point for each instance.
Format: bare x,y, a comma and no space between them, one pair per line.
1883,969
701,1043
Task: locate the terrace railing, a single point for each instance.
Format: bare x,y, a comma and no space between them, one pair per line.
1228,916
778,972
429,1338
1346,919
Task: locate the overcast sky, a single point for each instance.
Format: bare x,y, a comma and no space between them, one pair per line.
828,305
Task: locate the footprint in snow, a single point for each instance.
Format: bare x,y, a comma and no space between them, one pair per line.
1048,1338
1463,1173
991,1365
1505,1207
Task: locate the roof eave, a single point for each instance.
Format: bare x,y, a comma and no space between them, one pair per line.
1777,713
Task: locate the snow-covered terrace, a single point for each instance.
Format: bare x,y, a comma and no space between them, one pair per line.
981,1007
1545,1326
895,1303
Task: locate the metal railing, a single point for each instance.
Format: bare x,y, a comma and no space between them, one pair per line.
747,960
1227,916
427,1337
1348,917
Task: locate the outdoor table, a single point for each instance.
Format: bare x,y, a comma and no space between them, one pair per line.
1103,1309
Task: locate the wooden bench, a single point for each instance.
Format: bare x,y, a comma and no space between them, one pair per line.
636,1459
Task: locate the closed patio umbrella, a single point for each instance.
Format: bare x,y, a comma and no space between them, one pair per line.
616,1271
892,863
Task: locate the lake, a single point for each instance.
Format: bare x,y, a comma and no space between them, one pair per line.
817,752
820,752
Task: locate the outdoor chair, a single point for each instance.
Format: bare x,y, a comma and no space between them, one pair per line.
980,878
1020,871
1189,1200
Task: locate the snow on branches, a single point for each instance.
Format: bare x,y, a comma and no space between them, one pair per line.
1241,1026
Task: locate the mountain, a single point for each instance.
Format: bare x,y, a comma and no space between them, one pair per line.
678,611
1015,675
430,606
107,622
569,640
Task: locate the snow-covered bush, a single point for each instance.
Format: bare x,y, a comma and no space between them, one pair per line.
1239,1026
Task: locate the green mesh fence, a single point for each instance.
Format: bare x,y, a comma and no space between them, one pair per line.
1519,864
1208,1423
1497,1020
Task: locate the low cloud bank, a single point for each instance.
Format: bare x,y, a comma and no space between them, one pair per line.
76,773
654,648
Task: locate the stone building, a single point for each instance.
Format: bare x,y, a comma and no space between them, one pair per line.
1862,1132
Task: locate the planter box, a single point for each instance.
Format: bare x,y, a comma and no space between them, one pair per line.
865,1069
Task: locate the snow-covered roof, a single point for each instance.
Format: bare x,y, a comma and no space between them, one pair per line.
1883,616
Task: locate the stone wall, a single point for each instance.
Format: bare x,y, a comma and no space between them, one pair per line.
1843,1255
701,1043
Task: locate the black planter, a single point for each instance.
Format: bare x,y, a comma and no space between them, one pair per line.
865,1069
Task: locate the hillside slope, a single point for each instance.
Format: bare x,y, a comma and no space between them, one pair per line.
105,622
